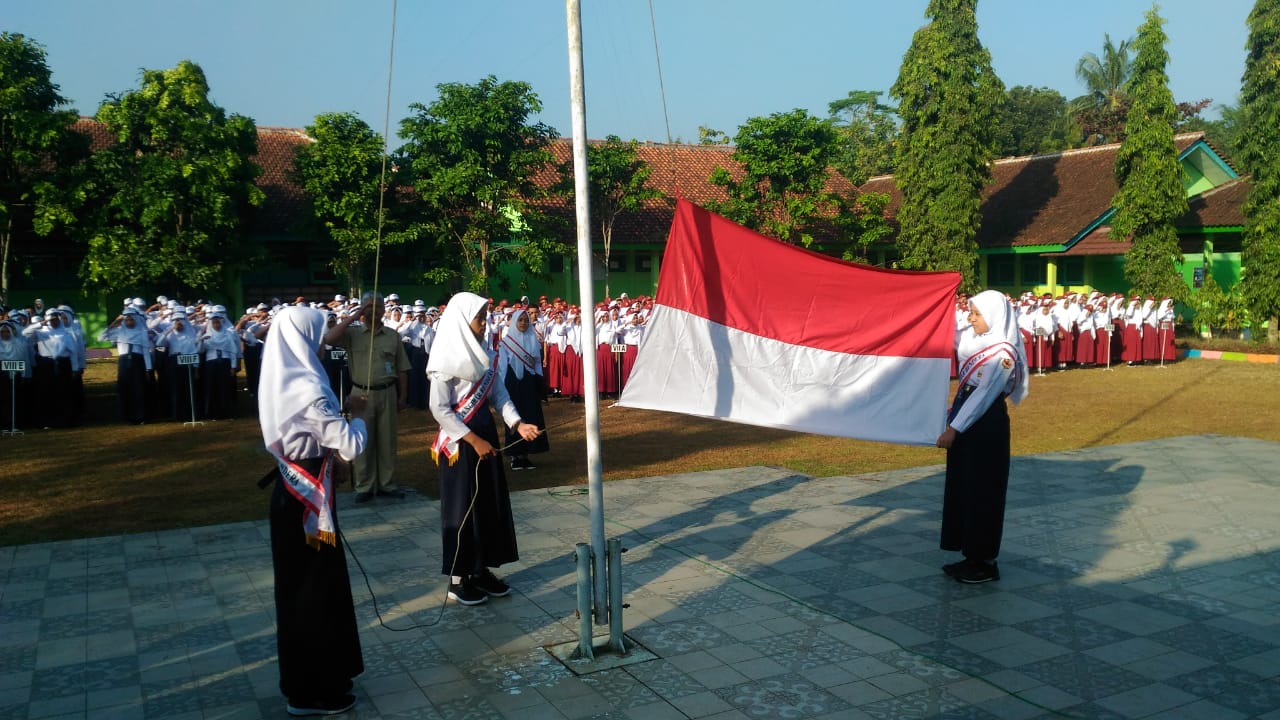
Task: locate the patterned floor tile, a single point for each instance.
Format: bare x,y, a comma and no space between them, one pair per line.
955,657
1210,642
922,667
1083,676
782,697
1074,632
665,679
944,620
926,704
804,649
621,689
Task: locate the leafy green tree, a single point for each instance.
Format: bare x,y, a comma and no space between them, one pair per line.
781,189
341,174
37,147
1151,195
866,131
949,102
472,156
1226,133
167,200
1260,156
711,136
618,183
1034,121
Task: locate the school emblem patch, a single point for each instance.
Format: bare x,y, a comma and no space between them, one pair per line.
1006,363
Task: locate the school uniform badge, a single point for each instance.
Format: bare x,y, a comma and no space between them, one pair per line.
1006,363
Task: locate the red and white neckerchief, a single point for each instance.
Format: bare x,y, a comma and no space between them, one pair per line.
315,492
467,408
530,362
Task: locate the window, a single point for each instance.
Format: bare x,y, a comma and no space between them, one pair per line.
1033,270
1071,271
556,264
644,262
1000,270
617,262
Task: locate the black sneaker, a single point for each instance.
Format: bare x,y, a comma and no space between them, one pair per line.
364,497
952,568
466,593
516,464
330,706
974,572
489,584
396,494
528,464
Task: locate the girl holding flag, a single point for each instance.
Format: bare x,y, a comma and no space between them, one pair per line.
993,366
477,527
316,634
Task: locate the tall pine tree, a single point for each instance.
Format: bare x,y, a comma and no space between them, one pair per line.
1151,195
948,100
1260,156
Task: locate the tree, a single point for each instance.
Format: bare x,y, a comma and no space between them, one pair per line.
341,174
167,200
949,98
785,162
866,131
472,155
1260,156
1150,196
1100,112
37,148
618,183
1034,121
711,136
1226,132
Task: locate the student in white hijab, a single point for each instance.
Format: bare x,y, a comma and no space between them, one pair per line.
477,527
56,371
317,636
993,366
133,364
220,352
520,367
14,384
180,339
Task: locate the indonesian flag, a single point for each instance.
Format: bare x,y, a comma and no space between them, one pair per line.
749,329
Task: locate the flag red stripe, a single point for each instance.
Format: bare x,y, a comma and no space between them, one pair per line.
716,269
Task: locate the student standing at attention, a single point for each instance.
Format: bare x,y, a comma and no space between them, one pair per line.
993,366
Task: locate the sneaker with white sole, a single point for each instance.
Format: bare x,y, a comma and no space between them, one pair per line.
466,593
489,584
330,706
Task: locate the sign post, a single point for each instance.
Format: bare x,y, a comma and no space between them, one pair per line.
189,361
618,350
340,356
1165,327
13,367
1111,333
1041,334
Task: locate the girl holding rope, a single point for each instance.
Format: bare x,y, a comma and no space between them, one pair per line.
475,508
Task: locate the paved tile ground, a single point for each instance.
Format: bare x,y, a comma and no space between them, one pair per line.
1139,580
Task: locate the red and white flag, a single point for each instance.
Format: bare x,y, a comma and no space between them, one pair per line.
753,330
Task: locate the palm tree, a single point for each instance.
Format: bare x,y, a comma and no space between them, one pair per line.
1104,77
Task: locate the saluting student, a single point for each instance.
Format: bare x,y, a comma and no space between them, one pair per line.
57,365
477,528
219,361
15,393
183,390
993,367
133,366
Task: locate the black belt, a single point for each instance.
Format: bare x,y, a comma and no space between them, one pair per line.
383,386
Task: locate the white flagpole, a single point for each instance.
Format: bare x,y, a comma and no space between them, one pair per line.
595,479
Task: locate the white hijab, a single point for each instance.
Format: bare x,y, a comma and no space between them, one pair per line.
456,353
292,377
1002,327
527,340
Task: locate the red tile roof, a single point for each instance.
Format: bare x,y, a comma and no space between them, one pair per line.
1041,199
1222,206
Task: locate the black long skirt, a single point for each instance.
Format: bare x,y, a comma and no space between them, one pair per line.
976,486
317,640
526,393
488,535
131,387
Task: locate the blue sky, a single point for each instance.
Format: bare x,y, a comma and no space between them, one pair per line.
281,62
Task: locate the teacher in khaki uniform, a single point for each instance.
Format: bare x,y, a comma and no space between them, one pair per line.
384,380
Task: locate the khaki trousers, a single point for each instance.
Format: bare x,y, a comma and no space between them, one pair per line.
375,468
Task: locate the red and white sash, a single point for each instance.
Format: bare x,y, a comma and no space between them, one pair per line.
467,408
315,492
530,362
985,355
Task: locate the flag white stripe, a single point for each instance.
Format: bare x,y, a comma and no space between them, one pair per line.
691,365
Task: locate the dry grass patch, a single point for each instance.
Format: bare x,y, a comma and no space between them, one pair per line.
107,478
